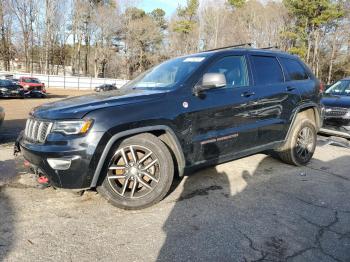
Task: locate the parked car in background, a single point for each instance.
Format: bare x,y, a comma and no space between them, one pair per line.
15,80
336,100
186,113
105,87
9,77
32,87
6,76
10,89
2,115
31,83
35,93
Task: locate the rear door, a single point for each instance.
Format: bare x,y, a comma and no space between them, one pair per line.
298,76
274,99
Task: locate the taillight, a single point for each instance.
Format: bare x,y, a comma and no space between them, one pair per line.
321,89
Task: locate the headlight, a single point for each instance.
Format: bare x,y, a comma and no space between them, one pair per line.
347,115
3,89
76,127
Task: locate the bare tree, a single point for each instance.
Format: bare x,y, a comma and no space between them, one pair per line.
5,28
103,33
23,10
114,38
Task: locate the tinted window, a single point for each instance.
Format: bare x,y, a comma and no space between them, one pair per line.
5,83
294,69
342,87
267,70
31,80
234,68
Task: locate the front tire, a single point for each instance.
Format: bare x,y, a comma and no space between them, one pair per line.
301,144
139,173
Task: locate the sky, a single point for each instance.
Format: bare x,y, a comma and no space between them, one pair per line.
169,6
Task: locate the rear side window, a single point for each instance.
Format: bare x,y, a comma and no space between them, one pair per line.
267,70
295,71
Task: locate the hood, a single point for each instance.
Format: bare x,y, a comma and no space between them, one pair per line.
78,107
32,84
336,101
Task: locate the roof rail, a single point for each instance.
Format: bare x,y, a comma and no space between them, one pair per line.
228,47
270,47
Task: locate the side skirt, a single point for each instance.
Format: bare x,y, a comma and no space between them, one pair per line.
230,157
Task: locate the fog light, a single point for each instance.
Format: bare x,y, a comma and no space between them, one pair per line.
59,163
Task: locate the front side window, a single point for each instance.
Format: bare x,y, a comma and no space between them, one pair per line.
234,68
294,69
341,87
267,70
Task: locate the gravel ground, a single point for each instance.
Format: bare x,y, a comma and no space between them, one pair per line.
251,209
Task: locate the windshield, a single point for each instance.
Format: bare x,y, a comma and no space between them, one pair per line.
342,87
6,83
167,75
31,80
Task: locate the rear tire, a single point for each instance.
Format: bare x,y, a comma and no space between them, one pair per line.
300,145
139,173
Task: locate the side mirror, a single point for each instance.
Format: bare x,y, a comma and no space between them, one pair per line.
210,81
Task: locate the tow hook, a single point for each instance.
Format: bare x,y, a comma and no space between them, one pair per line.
42,179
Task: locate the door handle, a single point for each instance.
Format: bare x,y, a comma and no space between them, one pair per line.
247,94
290,88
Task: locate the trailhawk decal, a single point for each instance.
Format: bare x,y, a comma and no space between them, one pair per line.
218,139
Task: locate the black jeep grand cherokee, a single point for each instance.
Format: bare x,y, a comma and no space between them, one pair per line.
187,112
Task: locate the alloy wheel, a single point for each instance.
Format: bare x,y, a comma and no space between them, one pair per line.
133,172
305,143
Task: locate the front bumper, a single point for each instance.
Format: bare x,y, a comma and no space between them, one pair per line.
334,132
79,150
337,127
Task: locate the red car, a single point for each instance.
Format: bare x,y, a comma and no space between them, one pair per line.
31,83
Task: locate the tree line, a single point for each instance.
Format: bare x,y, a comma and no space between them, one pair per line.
111,38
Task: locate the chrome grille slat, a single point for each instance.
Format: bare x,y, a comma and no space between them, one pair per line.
36,131
335,111
40,128
26,129
30,128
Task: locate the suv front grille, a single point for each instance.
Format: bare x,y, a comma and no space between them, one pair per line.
336,111
36,131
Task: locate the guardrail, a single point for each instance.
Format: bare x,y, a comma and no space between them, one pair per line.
69,82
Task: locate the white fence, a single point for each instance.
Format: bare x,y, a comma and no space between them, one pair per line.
69,82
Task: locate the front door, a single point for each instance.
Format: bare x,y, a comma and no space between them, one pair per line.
221,124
